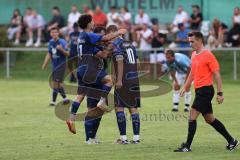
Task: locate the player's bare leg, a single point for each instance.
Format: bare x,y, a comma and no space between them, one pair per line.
73,111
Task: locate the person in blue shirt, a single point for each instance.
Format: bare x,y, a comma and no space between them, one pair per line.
127,92
182,37
92,124
73,58
90,71
179,68
57,53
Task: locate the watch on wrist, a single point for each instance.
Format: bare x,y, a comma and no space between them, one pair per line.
220,93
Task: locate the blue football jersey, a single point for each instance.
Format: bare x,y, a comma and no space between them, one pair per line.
57,56
73,43
126,51
87,43
181,63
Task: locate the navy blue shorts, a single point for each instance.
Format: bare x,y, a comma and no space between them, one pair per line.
58,73
128,97
92,102
89,80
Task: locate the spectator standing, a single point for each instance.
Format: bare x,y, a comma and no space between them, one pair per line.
15,26
196,18
35,23
180,17
72,18
112,16
99,17
56,21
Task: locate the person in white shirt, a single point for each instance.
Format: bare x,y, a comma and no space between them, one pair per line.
142,18
180,17
27,17
125,21
36,23
145,37
236,16
72,18
113,16
125,16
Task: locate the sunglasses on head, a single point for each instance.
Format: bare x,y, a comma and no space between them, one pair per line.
190,35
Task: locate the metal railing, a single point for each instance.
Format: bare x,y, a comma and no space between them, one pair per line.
153,50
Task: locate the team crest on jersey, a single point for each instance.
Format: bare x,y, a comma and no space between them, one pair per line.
54,51
81,41
126,44
75,39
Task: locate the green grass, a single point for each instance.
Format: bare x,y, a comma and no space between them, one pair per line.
28,66
30,130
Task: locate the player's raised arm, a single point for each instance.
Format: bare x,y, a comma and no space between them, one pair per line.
46,60
113,35
106,52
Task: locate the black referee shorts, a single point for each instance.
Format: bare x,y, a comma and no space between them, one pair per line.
203,97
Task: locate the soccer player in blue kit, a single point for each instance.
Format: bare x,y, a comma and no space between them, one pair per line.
73,58
92,124
57,52
89,73
179,67
127,90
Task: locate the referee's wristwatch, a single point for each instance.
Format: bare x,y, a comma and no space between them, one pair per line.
220,93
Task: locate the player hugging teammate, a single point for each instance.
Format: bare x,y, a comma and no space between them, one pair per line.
95,83
90,73
127,92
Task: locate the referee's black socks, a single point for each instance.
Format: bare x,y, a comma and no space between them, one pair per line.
221,129
192,127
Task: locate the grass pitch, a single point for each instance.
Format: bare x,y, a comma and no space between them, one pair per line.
30,130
